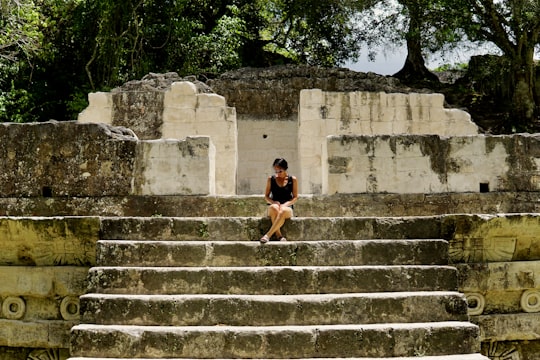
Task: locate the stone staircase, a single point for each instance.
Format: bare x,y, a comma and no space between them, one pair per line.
172,288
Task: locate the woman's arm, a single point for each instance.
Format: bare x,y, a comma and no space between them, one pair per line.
294,192
267,192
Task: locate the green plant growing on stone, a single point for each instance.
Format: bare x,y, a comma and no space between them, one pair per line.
293,256
420,351
203,230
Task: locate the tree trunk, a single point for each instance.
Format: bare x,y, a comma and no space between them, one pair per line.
524,108
414,70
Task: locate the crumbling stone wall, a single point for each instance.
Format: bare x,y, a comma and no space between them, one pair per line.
267,102
431,164
56,159
336,113
162,106
65,159
274,121
274,92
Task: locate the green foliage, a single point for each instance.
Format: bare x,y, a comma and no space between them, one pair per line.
53,52
452,67
311,31
514,27
428,21
20,33
219,50
15,105
63,49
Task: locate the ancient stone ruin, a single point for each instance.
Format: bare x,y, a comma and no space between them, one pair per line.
131,233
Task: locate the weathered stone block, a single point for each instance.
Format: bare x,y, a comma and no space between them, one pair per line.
163,171
163,106
65,159
183,88
509,327
494,238
73,159
43,281
99,110
455,164
140,111
48,241
386,114
210,100
311,98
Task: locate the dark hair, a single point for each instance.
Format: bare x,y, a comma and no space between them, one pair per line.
282,163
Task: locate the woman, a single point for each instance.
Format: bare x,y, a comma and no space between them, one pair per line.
281,193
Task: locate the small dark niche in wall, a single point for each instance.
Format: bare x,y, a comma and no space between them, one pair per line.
46,191
484,187
265,136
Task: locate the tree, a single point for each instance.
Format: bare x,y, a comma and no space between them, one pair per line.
419,23
20,42
514,27
312,31
19,29
91,45
423,25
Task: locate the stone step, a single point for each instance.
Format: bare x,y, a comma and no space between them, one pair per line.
229,253
252,228
266,310
442,357
272,280
275,342
366,204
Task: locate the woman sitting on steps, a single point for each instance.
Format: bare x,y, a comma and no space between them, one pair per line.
281,193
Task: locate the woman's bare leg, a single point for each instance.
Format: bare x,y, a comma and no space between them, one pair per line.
273,212
282,214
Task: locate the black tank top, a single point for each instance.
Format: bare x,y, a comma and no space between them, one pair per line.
281,193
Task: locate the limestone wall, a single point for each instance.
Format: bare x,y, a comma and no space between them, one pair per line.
187,113
259,143
431,164
282,112
301,141
362,113
175,167
57,159
166,107
266,102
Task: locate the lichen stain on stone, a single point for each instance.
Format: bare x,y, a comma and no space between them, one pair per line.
393,145
24,256
345,119
194,149
520,162
455,165
141,111
339,164
438,151
408,141
525,279
368,141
